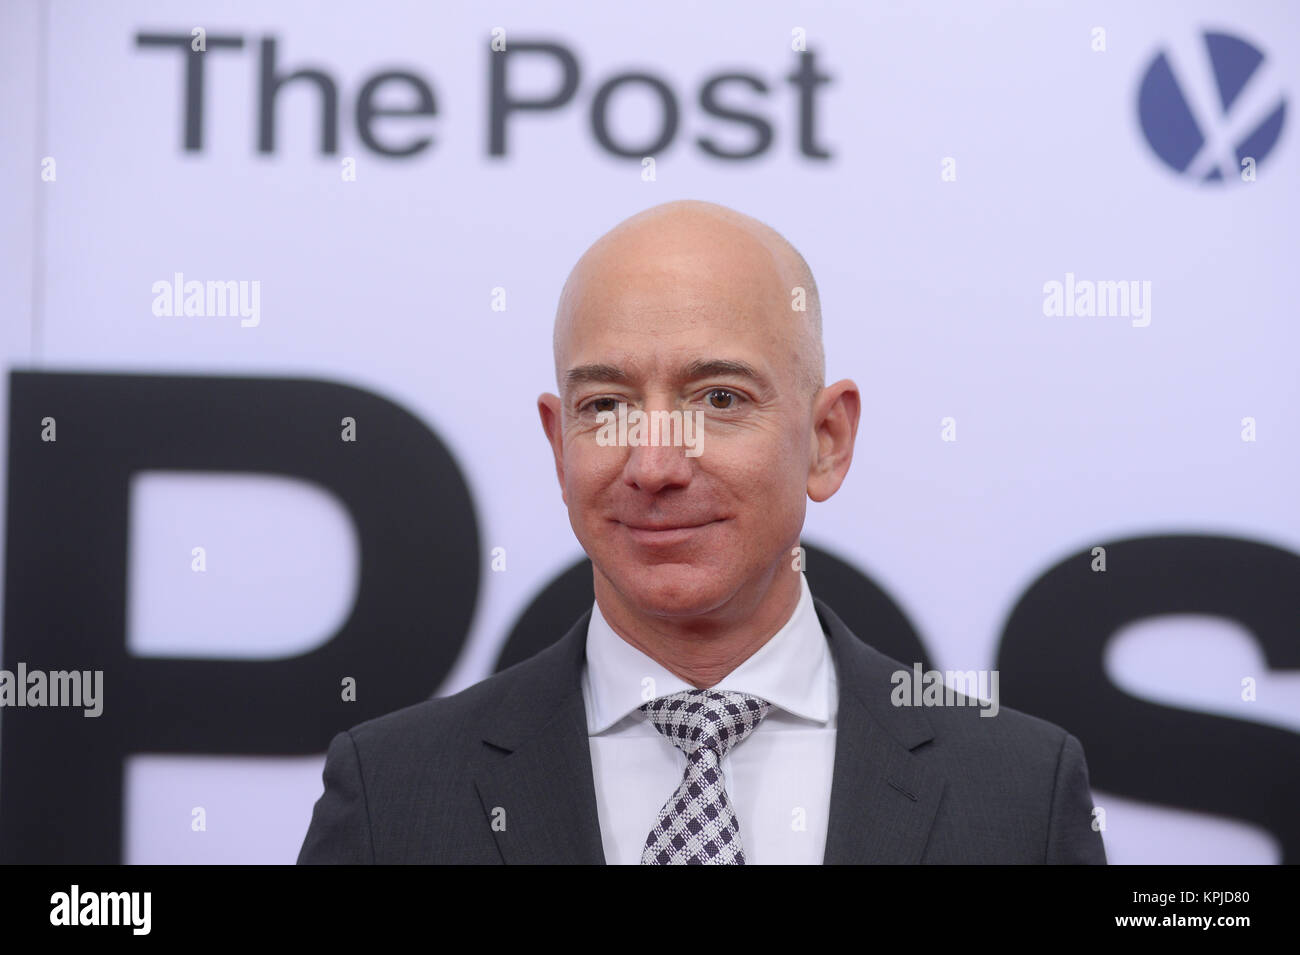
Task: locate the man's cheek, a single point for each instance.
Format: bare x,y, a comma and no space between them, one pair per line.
584,481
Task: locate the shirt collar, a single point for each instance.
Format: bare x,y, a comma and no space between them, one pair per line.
790,670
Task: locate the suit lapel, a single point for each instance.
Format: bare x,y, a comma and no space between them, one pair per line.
883,802
537,787
536,782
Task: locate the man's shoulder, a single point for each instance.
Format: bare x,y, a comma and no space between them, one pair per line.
963,727
1009,737
1014,787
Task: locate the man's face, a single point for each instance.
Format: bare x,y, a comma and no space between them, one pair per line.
697,326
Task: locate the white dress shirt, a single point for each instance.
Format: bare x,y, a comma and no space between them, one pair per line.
778,778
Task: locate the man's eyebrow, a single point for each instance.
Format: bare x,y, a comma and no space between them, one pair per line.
722,368
599,373
596,373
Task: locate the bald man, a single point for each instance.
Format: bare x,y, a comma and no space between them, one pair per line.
708,709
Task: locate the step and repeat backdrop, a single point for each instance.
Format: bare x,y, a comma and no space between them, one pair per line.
279,283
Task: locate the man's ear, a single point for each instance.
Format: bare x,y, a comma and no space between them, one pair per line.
548,407
835,428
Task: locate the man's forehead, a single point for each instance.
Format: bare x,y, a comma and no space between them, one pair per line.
668,298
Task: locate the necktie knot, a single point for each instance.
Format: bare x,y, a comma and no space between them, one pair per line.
710,719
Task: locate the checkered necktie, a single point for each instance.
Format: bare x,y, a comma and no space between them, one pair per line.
696,825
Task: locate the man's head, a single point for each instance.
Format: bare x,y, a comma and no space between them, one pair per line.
693,307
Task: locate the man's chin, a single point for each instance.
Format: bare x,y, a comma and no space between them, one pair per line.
672,590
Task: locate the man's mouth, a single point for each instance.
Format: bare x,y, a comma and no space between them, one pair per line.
666,533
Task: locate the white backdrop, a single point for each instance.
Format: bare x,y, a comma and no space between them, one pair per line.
1071,430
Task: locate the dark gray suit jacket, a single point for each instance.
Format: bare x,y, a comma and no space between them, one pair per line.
911,784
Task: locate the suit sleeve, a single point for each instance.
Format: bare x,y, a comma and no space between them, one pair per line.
1071,838
340,823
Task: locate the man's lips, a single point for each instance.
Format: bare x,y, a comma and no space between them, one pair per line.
684,525
663,534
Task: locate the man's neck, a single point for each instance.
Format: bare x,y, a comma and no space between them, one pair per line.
702,650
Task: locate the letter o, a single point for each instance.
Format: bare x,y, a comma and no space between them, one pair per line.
600,104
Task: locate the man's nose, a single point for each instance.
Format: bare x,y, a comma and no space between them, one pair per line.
653,468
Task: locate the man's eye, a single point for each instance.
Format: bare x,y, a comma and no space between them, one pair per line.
602,404
722,399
